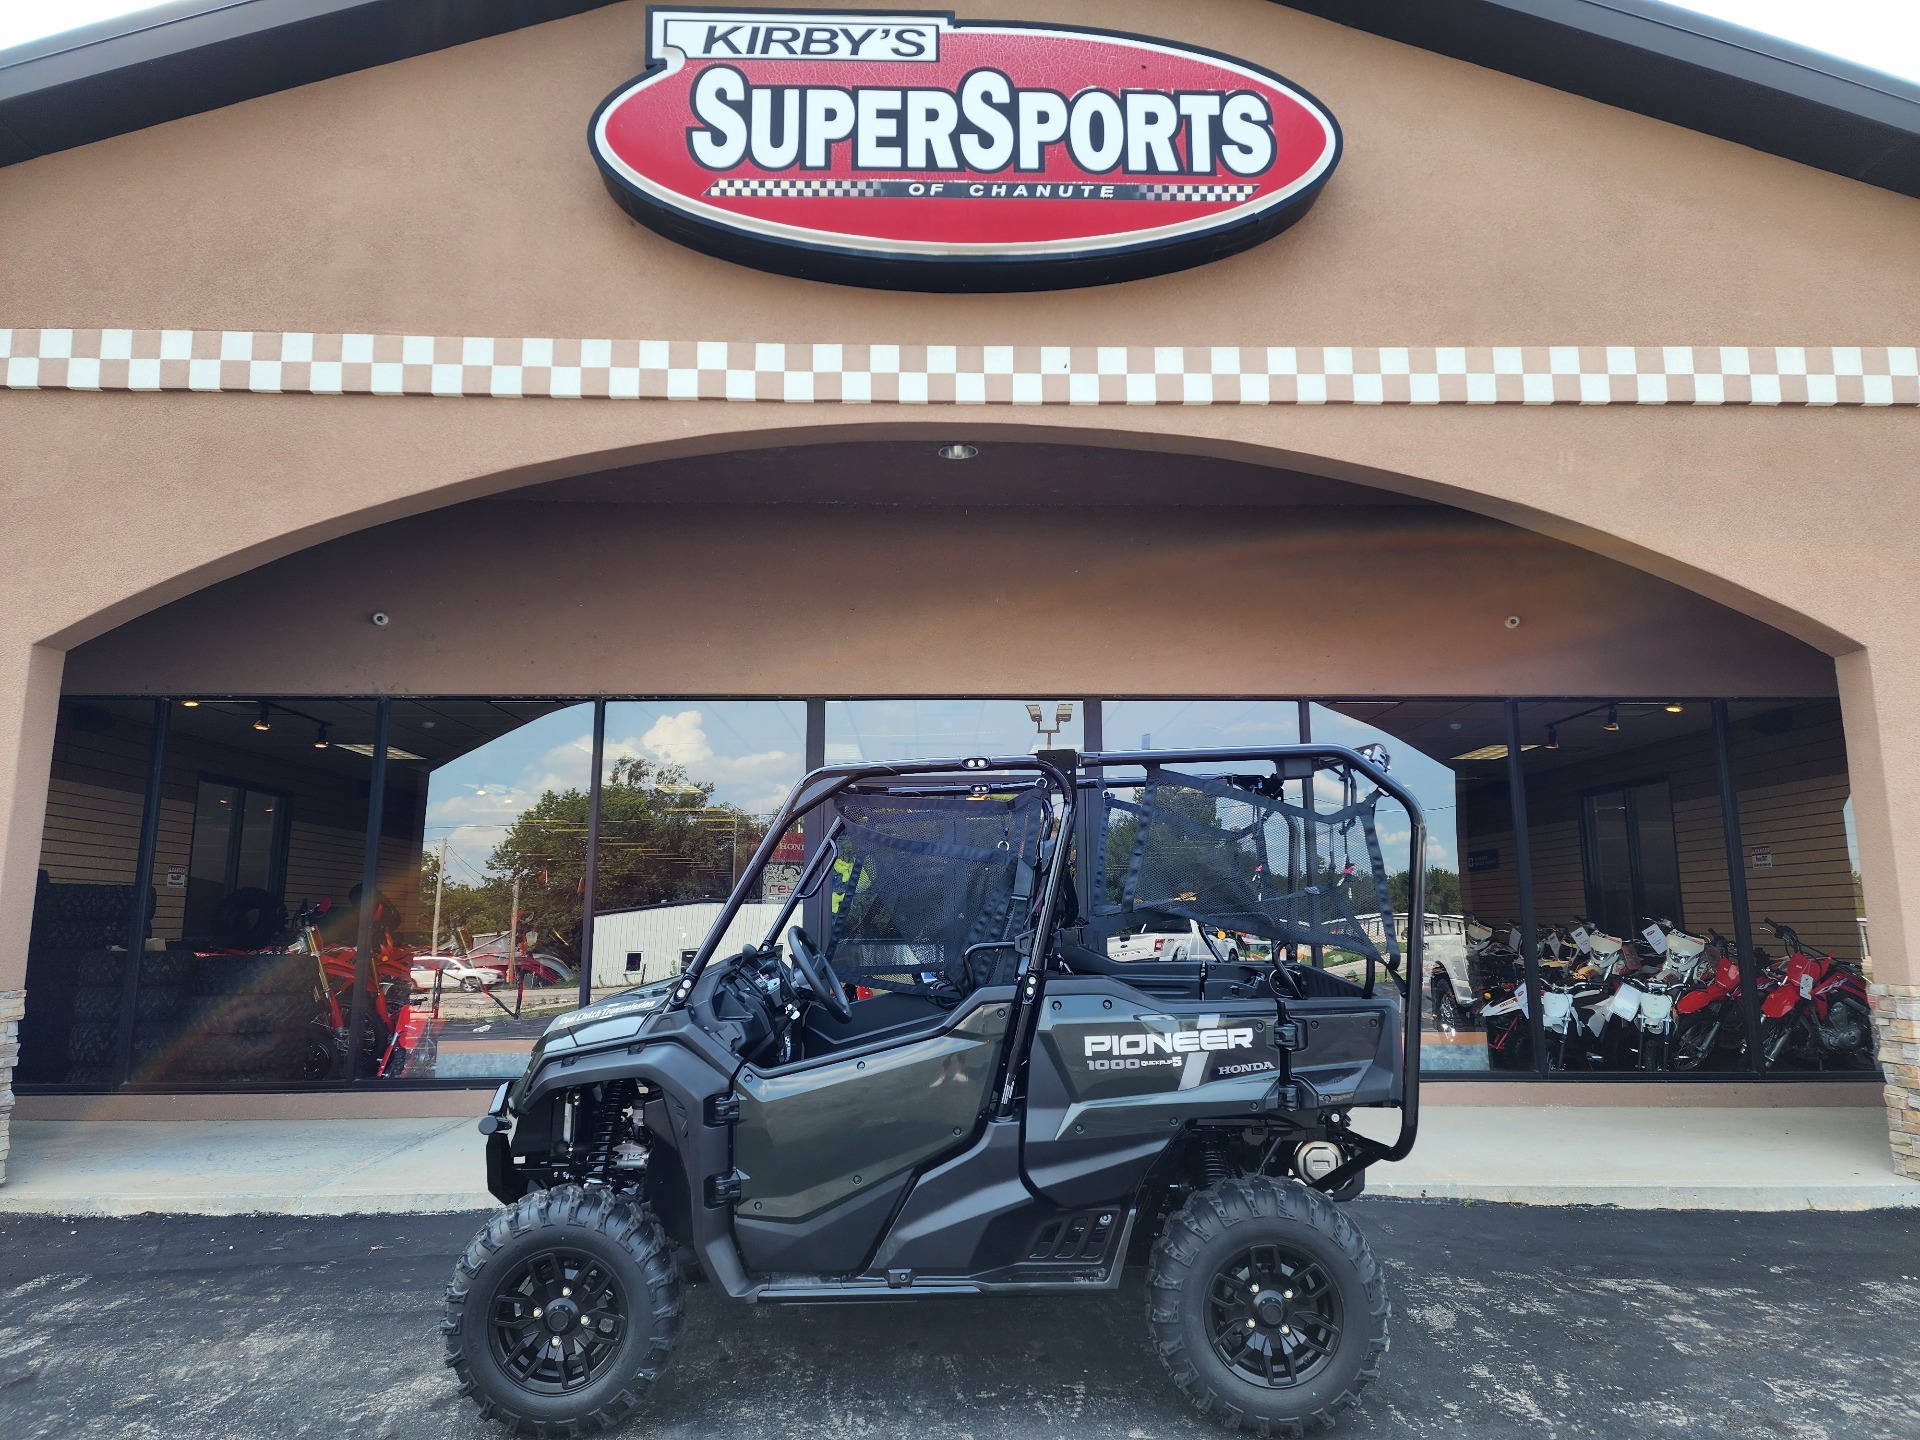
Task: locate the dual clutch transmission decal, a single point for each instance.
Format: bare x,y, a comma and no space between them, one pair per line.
912,151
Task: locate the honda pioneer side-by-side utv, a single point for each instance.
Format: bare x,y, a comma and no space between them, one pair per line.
956,1089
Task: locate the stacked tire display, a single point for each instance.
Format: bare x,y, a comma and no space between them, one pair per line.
198,1019
98,995
250,1020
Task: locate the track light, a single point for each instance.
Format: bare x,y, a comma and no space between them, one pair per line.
262,721
320,740
1674,707
1553,737
1613,718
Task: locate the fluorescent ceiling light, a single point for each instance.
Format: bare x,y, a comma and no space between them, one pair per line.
394,752
1492,752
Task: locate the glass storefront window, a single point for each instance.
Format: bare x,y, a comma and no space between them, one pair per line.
1450,754
1197,724
941,729
687,791
1631,896
252,926
1803,899
483,865
81,980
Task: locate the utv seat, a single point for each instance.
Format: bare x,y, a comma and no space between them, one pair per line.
881,1017
1176,978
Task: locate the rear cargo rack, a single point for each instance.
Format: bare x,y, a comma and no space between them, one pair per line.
1300,906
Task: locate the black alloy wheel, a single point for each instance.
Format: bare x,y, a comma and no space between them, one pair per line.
1266,1306
1273,1316
556,1322
563,1311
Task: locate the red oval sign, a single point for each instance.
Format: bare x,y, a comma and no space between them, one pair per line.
912,151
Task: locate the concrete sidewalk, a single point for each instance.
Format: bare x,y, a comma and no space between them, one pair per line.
244,1167
1680,1158
1646,1158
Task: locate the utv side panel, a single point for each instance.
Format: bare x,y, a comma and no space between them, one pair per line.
836,1241
810,1136
1116,1073
940,1229
1353,1053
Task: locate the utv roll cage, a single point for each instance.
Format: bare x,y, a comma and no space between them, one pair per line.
1077,826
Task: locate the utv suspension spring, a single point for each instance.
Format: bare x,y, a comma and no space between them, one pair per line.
604,1127
1213,1159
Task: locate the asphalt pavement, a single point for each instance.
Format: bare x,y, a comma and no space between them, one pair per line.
1507,1321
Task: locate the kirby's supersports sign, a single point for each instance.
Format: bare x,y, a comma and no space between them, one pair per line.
913,151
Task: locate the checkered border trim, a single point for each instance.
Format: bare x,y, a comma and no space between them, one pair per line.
796,189
303,363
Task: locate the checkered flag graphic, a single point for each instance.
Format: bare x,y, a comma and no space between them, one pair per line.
796,189
1199,194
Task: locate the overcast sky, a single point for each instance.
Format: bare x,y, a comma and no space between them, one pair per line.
1884,34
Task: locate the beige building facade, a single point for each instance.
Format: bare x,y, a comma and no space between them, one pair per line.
1544,399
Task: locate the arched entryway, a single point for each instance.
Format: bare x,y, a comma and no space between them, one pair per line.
1589,738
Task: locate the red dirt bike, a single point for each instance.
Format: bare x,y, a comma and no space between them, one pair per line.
391,1033
1817,1012
1711,1011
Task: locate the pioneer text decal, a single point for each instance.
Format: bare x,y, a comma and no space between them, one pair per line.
913,151
1182,1042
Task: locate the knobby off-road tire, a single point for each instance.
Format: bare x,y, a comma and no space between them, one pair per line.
612,1249
1215,1267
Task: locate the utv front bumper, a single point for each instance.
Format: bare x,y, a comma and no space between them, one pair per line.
502,1183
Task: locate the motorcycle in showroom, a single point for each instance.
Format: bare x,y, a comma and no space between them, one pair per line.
1816,1015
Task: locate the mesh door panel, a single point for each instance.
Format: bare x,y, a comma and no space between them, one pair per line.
1235,858
920,880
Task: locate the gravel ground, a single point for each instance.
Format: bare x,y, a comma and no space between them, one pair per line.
1508,1321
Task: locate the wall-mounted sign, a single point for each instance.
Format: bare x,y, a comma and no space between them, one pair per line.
1480,861
912,151
1763,859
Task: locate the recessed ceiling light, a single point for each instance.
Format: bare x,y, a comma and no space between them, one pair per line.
958,452
190,704
1674,707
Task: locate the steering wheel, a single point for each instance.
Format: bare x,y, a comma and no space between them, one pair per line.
817,971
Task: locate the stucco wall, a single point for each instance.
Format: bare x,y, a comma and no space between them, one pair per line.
518,597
